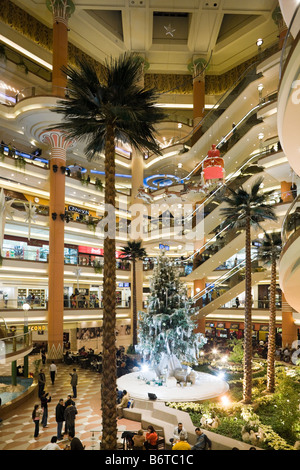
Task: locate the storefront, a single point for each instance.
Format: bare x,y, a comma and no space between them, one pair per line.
225,330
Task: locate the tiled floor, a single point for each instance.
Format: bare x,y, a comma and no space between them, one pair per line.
16,430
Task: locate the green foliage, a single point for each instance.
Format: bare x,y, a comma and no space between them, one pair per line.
237,354
275,418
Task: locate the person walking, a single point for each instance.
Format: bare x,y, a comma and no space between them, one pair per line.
41,382
44,405
53,370
60,417
36,416
203,441
70,415
74,382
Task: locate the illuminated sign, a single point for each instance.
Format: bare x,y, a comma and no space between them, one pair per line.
78,210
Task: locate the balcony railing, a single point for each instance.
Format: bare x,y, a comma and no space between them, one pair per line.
15,344
291,223
79,303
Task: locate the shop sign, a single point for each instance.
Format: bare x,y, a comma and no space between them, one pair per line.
221,325
37,327
264,328
78,210
234,326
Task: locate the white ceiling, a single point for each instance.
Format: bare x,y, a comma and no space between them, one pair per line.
168,33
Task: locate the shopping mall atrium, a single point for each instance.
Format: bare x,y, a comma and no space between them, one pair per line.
226,77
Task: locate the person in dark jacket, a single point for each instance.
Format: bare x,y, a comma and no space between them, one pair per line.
69,415
203,442
76,443
60,417
44,405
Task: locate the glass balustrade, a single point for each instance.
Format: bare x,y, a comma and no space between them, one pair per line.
72,302
291,223
14,344
226,282
288,41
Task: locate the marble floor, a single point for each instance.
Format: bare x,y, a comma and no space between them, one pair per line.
17,428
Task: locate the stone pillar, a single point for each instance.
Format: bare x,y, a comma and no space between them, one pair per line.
197,67
62,10
59,145
286,193
137,172
137,178
73,339
289,329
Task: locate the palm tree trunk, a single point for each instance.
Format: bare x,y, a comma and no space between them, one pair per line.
272,332
247,384
109,374
134,307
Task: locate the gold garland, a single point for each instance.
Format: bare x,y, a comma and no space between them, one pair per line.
36,31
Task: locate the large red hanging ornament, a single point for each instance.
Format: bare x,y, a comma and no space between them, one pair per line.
213,166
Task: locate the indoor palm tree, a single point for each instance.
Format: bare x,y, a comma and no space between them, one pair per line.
246,210
269,252
102,112
134,252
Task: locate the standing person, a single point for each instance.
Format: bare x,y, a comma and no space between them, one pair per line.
41,382
69,401
151,438
123,404
44,406
237,302
53,370
36,416
74,382
60,417
43,354
202,441
70,415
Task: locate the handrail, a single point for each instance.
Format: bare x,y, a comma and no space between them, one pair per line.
224,96
235,270
285,41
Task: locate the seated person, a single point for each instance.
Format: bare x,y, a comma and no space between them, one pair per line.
123,404
182,444
151,438
178,430
139,440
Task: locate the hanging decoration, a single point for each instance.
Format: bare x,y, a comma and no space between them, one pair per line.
5,212
31,216
169,30
213,166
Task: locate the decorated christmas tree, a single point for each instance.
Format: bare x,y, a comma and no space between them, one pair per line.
166,337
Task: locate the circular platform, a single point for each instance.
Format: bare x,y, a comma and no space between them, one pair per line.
206,387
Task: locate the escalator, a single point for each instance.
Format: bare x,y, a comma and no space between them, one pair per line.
226,287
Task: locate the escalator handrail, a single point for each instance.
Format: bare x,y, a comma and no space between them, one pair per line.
224,277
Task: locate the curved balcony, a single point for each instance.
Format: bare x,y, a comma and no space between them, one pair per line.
288,116
15,346
289,268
